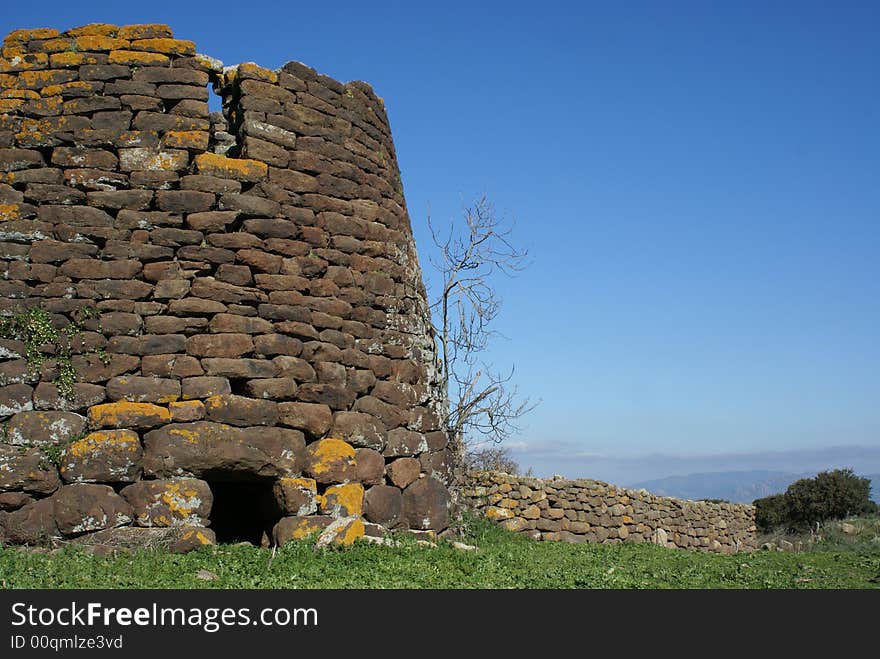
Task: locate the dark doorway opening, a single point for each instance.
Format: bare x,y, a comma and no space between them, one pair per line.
243,512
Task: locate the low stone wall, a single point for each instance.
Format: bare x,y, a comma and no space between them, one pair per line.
585,510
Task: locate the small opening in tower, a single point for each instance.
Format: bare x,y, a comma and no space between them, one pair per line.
215,102
243,512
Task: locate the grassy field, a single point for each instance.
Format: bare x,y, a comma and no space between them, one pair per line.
504,560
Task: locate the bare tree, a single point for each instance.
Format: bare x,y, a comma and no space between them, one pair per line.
484,405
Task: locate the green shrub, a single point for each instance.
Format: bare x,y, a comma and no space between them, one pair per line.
830,495
771,513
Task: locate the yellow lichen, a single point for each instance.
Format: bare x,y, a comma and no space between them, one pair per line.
125,413
243,169
191,436
137,58
343,500
101,43
94,30
352,532
57,45
141,31
24,62
303,529
125,440
166,46
251,70
30,35
186,139
301,483
10,104
327,451
19,93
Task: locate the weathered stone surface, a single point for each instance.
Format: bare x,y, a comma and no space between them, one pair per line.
205,448
272,388
403,471
403,442
33,524
425,505
47,397
14,501
241,411
109,456
314,420
204,387
27,470
296,496
382,505
138,389
359,429
239,368
174,502
81,507
330,461
187,410
15,398
44,428
219,345
370,466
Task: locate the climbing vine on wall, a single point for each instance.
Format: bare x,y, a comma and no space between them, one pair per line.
42,340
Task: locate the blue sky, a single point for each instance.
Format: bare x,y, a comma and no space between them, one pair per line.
697,186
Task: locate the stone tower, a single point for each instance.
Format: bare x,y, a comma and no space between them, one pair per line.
212,325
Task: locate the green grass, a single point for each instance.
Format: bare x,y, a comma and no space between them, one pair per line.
503,561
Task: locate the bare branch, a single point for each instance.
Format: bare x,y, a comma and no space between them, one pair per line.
483,406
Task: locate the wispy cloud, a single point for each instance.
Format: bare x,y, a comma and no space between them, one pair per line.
570,459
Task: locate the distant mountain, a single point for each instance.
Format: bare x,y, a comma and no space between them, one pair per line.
735,486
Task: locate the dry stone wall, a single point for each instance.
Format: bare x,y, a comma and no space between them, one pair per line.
591,511
213,323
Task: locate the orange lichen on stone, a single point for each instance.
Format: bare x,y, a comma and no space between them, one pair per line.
302,483
23,36
327,451
343,500
123,413
181,502
47,106
7,81
101,43
137,58
303,528
26,62
145,31
199,536
243,169
19,93
256,72
94,30
10,104
191,436
166,46
62,60
126,440
9,211
40,79
59,90
57,45
186,139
